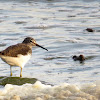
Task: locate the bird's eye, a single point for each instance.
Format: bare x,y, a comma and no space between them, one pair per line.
30,40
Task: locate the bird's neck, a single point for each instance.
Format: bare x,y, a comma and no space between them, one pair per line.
29,45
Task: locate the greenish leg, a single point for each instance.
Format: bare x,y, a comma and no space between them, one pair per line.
10,70
21,73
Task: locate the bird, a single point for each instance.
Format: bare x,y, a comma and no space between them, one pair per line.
19,54
81,58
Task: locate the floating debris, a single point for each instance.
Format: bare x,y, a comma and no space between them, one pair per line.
20,22
89,30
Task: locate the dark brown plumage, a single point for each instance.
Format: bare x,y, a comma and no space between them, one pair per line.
14,50
80,58
19,54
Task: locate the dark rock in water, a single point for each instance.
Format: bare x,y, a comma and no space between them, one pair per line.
89,30
20,22
80,58
16,80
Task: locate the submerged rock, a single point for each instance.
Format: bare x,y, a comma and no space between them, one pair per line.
16,80
89,30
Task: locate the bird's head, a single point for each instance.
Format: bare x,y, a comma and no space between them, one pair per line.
31,42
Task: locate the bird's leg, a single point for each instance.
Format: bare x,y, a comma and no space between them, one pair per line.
21,72
10,70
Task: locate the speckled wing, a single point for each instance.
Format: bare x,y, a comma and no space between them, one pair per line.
14,50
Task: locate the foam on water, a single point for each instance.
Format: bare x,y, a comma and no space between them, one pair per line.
39,91
58,25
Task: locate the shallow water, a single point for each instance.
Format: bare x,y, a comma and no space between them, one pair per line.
59,26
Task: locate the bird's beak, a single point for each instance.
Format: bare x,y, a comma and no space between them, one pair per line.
41,46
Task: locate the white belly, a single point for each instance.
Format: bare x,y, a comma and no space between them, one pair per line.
20,60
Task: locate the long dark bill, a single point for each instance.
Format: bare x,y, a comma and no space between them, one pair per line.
41,47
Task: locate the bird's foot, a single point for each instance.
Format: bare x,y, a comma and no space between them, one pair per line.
20,75
10,74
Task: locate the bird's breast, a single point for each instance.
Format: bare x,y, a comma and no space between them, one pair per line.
20,60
